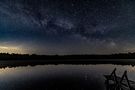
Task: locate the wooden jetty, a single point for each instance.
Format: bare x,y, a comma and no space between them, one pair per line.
114,82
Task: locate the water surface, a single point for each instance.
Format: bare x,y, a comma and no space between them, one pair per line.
59,77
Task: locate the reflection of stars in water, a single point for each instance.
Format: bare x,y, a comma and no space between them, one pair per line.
130,69
86,77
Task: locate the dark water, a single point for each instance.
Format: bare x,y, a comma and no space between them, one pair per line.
59,77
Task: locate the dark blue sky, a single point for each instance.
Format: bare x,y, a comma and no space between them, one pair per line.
67,26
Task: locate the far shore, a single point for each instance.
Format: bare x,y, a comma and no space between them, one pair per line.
15,60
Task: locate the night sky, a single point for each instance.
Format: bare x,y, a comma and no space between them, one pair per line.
67,26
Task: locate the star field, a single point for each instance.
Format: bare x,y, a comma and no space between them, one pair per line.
68,26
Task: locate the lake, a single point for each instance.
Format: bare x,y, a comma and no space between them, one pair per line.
59,77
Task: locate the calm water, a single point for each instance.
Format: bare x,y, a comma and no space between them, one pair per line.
59,77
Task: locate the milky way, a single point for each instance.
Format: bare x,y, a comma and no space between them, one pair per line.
68,26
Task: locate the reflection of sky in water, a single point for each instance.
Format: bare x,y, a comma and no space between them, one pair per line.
28,76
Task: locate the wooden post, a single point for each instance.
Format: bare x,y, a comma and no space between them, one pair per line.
125,76
112,77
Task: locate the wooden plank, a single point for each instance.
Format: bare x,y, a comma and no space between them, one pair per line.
119,83
118,78
124,82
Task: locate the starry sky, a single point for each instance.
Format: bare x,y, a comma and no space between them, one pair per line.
67,26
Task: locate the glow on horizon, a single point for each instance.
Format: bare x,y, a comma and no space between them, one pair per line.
11,49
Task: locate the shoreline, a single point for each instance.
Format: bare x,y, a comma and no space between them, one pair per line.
17,63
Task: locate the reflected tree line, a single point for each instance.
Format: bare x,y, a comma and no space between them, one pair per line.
14,60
